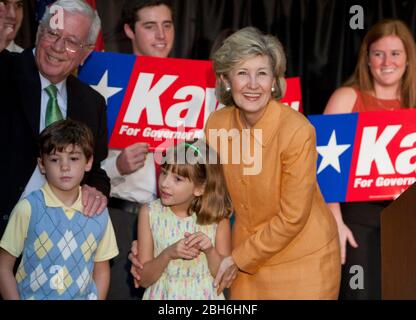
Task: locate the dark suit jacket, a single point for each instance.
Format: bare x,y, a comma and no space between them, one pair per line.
20,95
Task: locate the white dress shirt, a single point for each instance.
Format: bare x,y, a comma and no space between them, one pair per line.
37,180
139,186
13,47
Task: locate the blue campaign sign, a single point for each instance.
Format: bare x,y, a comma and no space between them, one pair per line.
109,74
335,135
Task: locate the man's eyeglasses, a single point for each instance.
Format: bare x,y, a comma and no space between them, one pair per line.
71,45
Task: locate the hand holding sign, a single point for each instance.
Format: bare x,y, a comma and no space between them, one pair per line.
132,158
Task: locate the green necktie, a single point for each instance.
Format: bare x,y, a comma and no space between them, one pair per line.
53,113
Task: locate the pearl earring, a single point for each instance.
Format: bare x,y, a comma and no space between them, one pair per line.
273,89
228,88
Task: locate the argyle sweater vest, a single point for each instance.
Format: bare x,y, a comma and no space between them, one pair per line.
58,255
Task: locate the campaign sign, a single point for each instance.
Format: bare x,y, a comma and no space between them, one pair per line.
158,100
109,74
365,156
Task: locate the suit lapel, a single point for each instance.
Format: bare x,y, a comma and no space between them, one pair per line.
29,88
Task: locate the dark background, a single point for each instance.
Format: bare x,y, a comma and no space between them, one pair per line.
320,45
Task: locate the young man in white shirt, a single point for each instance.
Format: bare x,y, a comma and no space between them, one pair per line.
13,21
149,26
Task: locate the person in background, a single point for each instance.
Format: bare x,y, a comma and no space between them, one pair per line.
149,26
384,79
219,40
65,254
38,88
13,21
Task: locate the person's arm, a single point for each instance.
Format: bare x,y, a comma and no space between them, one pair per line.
216,253
341,101
106,250
11,247
153,267
96,184
136,265
93,200
8,285
101,276
132,158
222,246
345,234
298,177
97,109
227,272
129,160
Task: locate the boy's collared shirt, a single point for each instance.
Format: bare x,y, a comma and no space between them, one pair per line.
16,232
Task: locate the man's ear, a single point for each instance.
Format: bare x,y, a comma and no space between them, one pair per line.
88,165
41,165
127,30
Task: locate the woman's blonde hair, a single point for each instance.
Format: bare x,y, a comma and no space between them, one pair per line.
362,77
244,44
199,163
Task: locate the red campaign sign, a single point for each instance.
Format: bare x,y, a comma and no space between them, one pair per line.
384,160
169,100
293,95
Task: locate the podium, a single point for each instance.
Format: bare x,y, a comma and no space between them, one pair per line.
398,247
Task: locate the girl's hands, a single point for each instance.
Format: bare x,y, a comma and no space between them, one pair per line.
198,240
179,250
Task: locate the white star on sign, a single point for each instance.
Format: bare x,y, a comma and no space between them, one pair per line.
103,88
330,153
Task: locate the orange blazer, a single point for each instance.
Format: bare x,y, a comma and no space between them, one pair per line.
280,214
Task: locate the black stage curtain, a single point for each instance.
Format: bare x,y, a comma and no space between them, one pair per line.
320,45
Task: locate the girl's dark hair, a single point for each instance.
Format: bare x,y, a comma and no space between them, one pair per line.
200,164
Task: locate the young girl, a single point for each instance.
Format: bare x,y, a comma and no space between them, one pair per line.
183,236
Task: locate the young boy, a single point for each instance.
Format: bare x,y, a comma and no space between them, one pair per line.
65,255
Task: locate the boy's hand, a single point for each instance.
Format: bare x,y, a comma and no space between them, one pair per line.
198,240
94,201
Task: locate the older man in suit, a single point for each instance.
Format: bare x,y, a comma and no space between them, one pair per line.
37,88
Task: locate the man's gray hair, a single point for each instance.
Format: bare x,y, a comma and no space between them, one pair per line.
77,6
